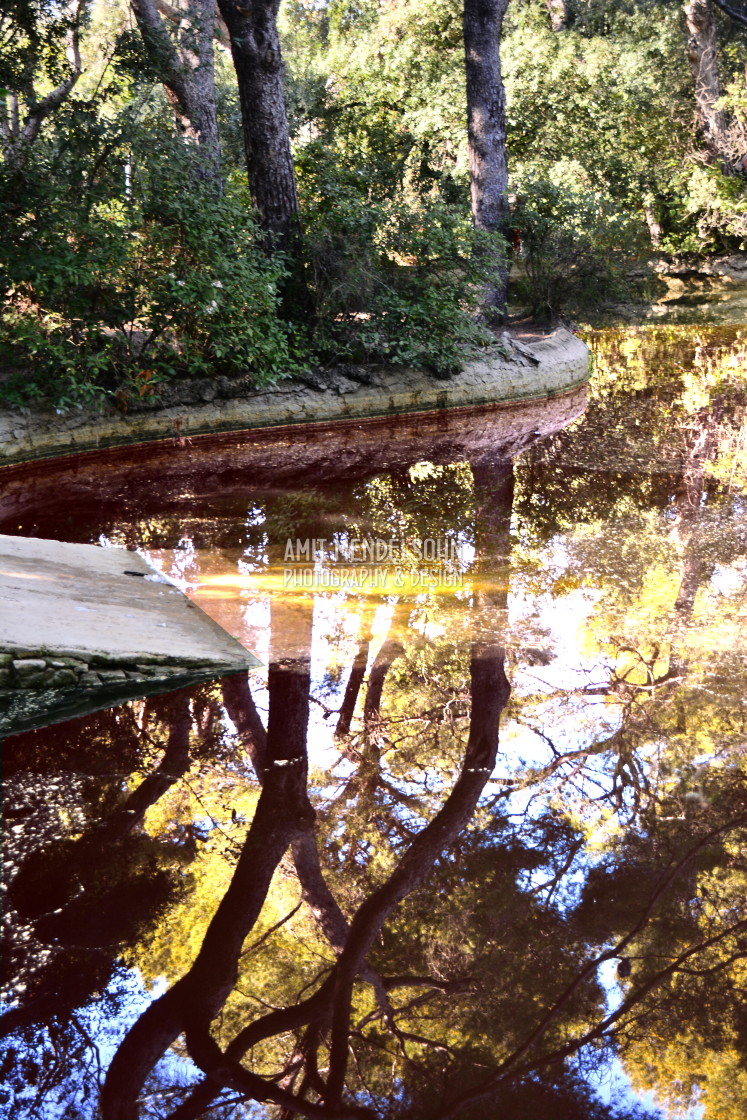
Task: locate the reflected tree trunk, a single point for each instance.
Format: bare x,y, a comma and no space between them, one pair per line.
52,998
172,767
330,1005
357,673
242,711
688,504
283,818
283,812
493,479
385,658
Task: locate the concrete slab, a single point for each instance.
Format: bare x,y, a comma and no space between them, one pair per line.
83,627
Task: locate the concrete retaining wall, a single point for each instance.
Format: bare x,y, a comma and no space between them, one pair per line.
83,627
539,368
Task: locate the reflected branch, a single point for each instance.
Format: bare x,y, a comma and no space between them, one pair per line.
510,1068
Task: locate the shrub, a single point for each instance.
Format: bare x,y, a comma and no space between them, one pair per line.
394,278
575,245
123,267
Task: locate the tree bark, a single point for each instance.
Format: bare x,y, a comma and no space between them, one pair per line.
654,226
486,136
186,67
255,47
702,54
558,10
175,15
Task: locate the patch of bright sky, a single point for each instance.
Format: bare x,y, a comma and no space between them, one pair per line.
609,1080
730,580
106,1032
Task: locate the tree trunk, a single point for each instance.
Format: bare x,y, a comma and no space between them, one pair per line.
186,67
702,54
558,10
255,47
486,135
654,227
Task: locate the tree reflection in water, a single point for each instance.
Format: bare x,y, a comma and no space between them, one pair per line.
369,903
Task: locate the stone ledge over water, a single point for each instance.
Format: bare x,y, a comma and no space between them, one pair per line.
536,368
83,627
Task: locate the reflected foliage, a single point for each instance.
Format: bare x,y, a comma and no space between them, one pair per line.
378,879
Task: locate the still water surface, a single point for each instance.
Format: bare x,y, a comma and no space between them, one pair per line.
476,835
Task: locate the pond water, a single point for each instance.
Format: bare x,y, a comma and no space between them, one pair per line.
473,843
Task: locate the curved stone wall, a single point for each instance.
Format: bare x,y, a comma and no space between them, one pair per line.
516,371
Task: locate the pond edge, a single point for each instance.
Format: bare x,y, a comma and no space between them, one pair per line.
539,368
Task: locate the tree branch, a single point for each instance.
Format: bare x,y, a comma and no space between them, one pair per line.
740,17
176,15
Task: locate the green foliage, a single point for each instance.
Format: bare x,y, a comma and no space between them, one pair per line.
713,213
123,266
393,277
600,131
573,241
34,35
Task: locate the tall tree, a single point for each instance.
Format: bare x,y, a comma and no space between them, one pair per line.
486,136
702,55
257,58
184,62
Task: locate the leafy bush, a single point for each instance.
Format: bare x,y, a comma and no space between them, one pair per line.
574,245
394,278
122,267
713,212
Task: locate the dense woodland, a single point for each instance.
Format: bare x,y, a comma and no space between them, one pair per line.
250,190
